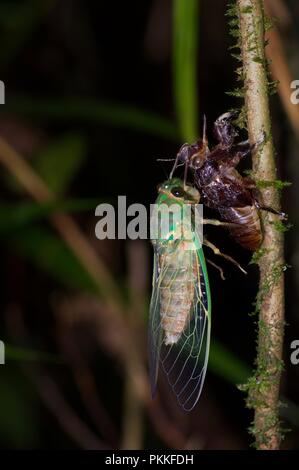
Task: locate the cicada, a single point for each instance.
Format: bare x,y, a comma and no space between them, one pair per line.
180,308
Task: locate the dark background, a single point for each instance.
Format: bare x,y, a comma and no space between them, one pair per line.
90,108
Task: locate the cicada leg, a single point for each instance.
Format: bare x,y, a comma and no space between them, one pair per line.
219,253
282,215
216,267
219,223
176,163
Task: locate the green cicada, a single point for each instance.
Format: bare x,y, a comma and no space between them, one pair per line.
180,309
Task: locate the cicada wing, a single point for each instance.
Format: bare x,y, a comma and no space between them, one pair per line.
155,330
185,362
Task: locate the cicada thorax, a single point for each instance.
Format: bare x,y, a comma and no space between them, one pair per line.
248,230
177,292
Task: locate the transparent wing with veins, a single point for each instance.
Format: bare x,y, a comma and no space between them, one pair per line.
185,362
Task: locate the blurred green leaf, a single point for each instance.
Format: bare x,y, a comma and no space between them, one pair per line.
14,216
17,353
18,20
70,110
60,161
185,51
226,364
48,252
18,421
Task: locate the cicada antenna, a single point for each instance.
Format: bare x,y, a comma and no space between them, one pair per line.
185,175
170,160
176,162
204,130
174,166
165,159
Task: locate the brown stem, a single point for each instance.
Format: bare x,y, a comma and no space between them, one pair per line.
264,387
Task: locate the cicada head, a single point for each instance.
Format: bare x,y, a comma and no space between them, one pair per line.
176,189
224,130
194,155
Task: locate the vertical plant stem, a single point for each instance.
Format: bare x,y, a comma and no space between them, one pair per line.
264,386
185,50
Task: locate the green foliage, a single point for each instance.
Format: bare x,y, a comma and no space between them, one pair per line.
266,374
237,92
269,22
273,86
58,163
281,226
266,287
18,419
19,354
233,23
277,184
185,50
234,30
70,110
246,10
18,21
226,364
49,253
257,255
15,216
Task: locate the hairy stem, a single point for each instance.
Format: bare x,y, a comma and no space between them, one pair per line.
264,386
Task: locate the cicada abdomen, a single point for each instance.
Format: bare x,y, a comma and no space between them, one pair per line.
180,310
247,230
176,293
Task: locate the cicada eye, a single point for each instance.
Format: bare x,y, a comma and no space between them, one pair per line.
177,192
183,153
197,162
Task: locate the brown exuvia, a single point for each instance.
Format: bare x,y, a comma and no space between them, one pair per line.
221,186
